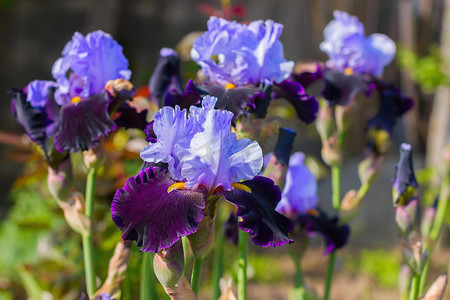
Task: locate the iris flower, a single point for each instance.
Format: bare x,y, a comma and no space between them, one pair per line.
75,108
191,161
299,201
242,64
405,182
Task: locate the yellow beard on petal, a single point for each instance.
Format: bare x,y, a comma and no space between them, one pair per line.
242,187
176,186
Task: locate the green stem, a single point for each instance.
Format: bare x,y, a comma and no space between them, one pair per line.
185,243
217,265
242,265
148,278
299,287
424,274
329,276
441,209
87,238
414,293
196,274
336,186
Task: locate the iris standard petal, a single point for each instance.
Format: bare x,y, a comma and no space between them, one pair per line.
156,218
215,157
257,210
37,93
300,191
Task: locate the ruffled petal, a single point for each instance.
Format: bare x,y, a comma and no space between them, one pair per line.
82,124
156,219
172,128
37,93
306,106
257,210
215,157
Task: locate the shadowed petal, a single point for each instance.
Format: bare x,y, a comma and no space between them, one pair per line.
238,100
129,117
156,219
307,78
82,124
33,120
306,106
257,210
335,235
341,89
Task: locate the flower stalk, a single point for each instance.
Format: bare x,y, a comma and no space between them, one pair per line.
329,276
148,278
196,273
299,286
242,265
87,237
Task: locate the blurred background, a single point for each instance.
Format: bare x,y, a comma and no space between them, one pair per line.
33,34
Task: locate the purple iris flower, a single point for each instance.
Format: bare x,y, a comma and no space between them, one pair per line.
75,108
246,54
196,158
353,58
299,200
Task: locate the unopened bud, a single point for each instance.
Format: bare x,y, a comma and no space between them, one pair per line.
404,279
427,221
275,171
405,183
119,90
379,141
94,158
325,123
413,254
181,291
406,216
169,264
116,271
60,181
201,241
437,289
331,153
74,213
350,201
368,169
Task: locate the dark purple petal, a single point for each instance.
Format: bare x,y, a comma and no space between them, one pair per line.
33,121
404,176
183,100
334,234
129,117
257,210
306,106
284,145
392,106
82,124
262,101
150,133
341,89
238,100
166,77
156,219
119,91
307,78
231,229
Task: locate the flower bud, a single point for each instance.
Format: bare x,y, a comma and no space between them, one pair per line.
74,213
368,169
331,153
60,181
201,241
404,279
169,264
119,90
406,216
94,158
324,122
405,183
437,289
379,141
413,253
427,220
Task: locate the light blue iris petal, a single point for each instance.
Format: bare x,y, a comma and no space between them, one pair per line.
37,92
300,191
172,129
215,156
92,61
230,52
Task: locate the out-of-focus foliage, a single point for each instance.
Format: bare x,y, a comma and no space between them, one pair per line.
382,264
426,71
